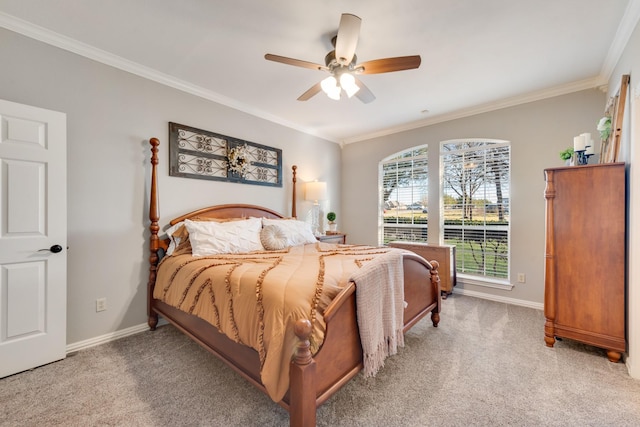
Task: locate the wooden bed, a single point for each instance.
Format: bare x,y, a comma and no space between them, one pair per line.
313,379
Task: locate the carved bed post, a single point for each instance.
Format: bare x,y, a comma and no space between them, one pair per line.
435,282
293,197
154,216
302,373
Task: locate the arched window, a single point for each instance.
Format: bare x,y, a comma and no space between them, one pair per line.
475,196
403,196
471,210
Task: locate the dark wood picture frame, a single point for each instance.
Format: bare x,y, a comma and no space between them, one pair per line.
201,154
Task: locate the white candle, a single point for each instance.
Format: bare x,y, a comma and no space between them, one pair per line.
587,138
590,149
578,143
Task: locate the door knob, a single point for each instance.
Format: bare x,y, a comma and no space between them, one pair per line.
55,249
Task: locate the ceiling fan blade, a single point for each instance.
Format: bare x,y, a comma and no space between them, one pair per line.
364,94
387,65
347,39
295,62
312,91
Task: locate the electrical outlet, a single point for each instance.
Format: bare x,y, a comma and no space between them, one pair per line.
101,304
521,278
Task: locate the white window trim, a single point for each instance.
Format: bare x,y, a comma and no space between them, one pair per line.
467,279
393,158
488,282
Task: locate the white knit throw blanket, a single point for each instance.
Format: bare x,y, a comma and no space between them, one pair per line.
380,307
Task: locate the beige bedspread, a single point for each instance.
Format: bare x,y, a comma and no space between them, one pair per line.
256,298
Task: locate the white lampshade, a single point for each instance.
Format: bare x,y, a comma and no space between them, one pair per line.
334,94
316,191
331,88
348,83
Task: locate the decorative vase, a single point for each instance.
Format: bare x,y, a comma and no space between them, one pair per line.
333,226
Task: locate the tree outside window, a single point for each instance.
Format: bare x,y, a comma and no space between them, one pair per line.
476,180
474,199
404,196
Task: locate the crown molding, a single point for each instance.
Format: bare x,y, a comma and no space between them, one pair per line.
69,44
485,108
628,23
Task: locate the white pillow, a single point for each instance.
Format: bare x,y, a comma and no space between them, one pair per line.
211,238
297,232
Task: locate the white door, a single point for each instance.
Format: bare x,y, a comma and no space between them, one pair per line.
33,220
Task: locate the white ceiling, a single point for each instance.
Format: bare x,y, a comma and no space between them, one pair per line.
477,55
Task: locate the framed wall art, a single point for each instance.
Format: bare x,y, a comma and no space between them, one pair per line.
201,154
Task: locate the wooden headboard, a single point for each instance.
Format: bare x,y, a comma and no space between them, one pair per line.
229,211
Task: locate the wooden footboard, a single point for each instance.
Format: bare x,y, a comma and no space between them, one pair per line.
312,379
421,293
316,379
340,357
342,349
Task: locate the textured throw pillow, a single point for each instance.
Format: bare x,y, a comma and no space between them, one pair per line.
297,232
211,238
273,238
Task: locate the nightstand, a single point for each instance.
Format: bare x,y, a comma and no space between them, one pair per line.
444,254
333,238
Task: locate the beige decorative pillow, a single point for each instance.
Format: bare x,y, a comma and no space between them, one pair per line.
180,233
177,234
273,238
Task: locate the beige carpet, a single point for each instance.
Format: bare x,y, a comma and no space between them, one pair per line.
486,365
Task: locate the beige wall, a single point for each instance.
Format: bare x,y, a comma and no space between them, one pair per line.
111,115
538,131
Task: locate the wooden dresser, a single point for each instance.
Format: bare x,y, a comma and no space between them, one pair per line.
444,254
585,267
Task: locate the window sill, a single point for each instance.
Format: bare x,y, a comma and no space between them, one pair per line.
487,283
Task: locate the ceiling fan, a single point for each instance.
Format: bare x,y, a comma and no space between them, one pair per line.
341,63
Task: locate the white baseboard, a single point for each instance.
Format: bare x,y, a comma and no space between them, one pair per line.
497,298
112,336
632,368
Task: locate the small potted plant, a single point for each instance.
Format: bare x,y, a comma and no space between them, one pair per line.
331,217
567,155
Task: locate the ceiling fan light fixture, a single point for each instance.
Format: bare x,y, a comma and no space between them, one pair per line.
331,88
342,64
329,84
348,83
335,94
